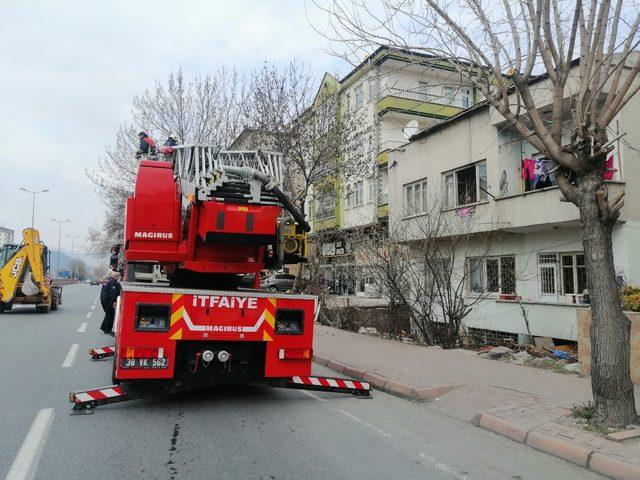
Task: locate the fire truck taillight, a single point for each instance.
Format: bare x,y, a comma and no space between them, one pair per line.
289,322
152,317
295,353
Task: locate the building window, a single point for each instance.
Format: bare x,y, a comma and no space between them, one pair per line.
358,193
492,274
547,273
423,90
359,96
383,188
371,189
572,279
325,206
449,95
415,195
467,97
574,273
466,185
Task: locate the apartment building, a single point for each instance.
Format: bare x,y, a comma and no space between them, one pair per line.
6,236
390,96
480,170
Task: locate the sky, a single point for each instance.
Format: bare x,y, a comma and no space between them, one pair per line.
69,70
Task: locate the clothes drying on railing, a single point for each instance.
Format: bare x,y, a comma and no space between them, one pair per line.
535,173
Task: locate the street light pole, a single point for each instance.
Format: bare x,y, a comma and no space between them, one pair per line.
33,204
60,222
73,265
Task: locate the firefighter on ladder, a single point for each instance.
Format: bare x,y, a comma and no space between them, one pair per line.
147,146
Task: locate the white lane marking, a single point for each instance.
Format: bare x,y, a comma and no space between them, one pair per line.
82,328
68,361
93,306
89,314
359,420
313,395
443,467
26,462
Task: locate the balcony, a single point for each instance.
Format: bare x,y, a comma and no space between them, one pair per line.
539,210
418,103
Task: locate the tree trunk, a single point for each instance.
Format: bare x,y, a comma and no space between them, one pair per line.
610,328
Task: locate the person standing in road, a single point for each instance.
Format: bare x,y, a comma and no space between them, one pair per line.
108,297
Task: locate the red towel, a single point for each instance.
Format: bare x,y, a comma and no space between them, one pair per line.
609,171
528,167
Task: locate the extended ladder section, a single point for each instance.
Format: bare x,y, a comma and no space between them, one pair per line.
207,172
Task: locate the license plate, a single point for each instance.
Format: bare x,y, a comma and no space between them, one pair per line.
144,363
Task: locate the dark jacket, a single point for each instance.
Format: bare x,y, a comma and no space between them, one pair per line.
147,146
110,291
170,142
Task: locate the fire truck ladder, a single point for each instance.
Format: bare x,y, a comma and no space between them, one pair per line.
253,176
208,172
84,402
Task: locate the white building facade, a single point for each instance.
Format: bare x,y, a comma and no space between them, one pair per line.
490,177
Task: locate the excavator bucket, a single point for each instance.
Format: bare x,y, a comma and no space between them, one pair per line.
28,286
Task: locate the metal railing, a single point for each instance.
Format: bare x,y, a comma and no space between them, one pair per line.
425,97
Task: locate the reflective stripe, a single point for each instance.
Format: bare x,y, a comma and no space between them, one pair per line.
332,382
349,384
110,392
314,381
83,397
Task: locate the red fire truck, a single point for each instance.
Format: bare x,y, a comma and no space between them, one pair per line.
207,218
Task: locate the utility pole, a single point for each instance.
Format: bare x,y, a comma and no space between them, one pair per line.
60,222
73,265
33,204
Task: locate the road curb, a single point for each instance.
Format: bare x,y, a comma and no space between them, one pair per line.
613,467
320,360
600,463
383,383
429,393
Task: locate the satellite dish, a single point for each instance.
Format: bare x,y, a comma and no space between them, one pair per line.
504,184
410,129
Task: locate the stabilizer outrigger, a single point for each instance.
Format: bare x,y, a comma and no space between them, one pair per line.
85,402
100,353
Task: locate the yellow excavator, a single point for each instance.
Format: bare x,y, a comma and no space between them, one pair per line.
24,275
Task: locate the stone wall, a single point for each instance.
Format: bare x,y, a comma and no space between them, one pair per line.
584,343
351,313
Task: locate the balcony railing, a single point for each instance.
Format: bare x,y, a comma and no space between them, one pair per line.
426,97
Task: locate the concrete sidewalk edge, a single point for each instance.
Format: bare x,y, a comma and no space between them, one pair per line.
380,382
598,462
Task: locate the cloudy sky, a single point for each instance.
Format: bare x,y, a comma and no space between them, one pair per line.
70,69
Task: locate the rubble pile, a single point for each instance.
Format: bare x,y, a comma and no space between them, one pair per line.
542,354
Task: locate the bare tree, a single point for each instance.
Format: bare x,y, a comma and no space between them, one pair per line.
428,264
317,135
586,53
207,110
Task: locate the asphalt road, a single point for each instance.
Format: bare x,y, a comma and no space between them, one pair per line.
240,432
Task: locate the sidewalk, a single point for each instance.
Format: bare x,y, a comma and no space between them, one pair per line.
529,400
